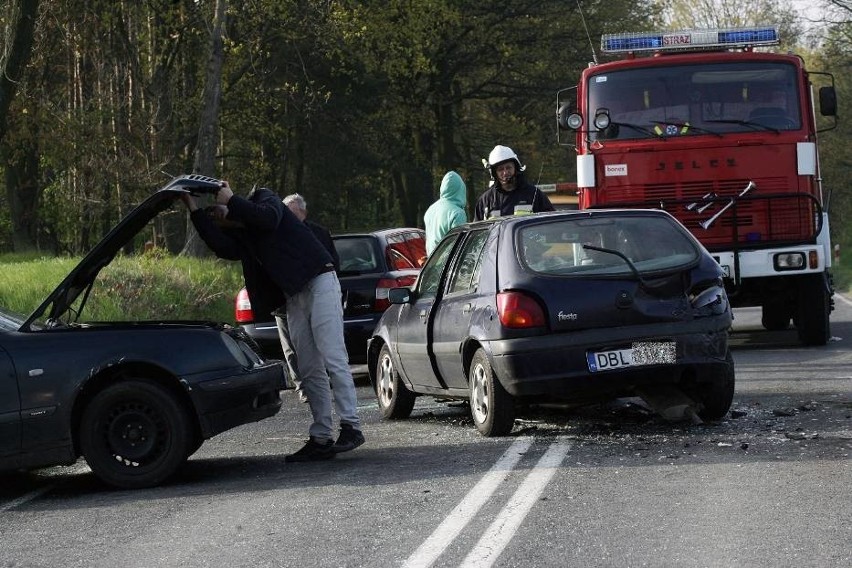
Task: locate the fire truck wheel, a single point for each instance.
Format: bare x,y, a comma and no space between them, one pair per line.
776,316
814,307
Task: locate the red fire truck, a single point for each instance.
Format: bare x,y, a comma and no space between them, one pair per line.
723,137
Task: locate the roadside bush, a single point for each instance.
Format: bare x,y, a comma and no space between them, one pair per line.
151,286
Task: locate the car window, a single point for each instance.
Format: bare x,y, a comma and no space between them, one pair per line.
465,275
430,274
650,242
356,254
406,250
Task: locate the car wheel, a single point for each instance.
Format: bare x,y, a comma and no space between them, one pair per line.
135,434
717,395
395,400
492,408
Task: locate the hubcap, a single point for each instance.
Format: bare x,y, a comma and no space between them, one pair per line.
479,394
385,381
135,433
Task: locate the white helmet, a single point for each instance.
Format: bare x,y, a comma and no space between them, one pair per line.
502,154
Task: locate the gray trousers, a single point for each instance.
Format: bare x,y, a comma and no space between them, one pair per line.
287,348
315,322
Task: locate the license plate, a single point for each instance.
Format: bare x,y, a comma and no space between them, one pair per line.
638,354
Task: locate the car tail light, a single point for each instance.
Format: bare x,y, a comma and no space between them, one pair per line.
518,310
385,284
242,308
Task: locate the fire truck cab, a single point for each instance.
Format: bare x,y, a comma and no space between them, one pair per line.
724,138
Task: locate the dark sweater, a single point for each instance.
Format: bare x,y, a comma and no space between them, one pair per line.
279,253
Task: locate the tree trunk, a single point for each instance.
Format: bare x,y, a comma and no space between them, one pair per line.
21,164
22,192
208,139
18,49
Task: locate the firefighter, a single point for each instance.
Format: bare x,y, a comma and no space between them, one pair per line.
510,193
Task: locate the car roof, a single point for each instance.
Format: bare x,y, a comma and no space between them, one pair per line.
379,232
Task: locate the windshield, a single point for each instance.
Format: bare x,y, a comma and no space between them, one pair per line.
690,100
651,242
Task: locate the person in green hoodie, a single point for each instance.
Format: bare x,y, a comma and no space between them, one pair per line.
447,212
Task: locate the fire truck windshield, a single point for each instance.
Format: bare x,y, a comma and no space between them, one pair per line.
692,100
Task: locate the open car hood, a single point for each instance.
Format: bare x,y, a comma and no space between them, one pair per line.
54,308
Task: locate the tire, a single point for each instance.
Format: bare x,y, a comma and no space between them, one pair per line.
775,317
135,434
814,304
492,408
395,400
715,397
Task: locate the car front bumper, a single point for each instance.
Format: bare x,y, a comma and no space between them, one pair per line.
228,401
556,365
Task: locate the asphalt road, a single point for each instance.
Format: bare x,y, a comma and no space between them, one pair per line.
611,485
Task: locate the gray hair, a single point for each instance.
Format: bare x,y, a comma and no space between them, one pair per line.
297,199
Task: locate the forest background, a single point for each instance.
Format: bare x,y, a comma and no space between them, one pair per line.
359,105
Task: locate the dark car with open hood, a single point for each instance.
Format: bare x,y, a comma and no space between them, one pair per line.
573,306
134,398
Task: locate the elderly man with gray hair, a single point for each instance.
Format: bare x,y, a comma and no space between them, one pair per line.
315,369
297,204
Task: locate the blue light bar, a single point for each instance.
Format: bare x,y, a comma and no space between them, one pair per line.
690,39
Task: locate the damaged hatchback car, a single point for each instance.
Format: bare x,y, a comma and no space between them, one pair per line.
134,398
575,306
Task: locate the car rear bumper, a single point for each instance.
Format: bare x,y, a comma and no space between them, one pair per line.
357,330
556,365
225,402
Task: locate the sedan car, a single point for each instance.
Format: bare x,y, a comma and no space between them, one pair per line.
573,306
135,398
370,265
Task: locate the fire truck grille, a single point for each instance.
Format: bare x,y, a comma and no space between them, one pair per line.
716,213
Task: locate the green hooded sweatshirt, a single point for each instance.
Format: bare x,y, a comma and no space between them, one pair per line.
447,212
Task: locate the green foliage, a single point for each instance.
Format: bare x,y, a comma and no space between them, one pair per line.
144,287
360,105
27,279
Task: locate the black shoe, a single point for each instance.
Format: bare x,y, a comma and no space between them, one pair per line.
349,439
312,451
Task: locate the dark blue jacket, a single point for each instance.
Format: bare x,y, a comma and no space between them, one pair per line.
279,253
324,237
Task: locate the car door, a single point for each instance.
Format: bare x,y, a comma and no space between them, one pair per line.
10,407
412,341
452,315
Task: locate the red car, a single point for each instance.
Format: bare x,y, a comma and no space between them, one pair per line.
370,265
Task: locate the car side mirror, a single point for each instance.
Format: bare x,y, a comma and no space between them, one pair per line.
399,295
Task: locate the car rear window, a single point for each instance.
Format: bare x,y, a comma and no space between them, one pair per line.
357,254
651,243
406,250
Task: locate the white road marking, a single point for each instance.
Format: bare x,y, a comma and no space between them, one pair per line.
843,299
25,498
504,527
448,530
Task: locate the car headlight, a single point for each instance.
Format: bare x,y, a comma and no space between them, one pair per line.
235,348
